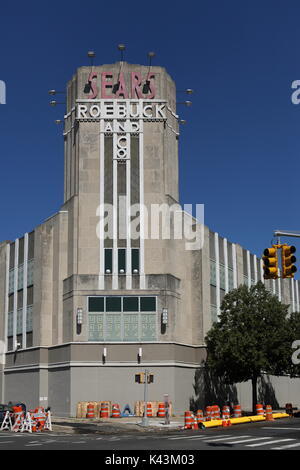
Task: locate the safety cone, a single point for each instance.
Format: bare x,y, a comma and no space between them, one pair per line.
269,413
195,424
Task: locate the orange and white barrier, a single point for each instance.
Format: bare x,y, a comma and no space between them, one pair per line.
90,413
33,421
269,413
6,424
208,413
188,420
200,417
116,413
225,413
161,410
149,410
104,412
259,410
237,411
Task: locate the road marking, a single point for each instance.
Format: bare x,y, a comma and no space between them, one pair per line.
269,442
209,439
273,427
249,440
5,442
31,445
286,447
193,437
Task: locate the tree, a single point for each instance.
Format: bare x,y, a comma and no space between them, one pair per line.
252,337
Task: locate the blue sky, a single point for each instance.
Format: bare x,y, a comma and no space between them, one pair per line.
239,151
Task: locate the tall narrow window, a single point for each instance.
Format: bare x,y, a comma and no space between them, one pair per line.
122,260
135,260
108,260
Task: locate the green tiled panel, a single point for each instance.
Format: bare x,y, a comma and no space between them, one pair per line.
131,327
148,327
113,327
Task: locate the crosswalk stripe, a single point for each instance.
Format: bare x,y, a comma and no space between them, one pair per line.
249,440
209,439
269,442
283,428
193,437
286,447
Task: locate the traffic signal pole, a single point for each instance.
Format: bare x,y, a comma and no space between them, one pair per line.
145,420
288,258
279,233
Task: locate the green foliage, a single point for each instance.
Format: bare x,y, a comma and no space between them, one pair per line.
253,336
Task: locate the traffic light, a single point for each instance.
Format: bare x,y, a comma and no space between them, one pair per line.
288,260
140,378
150,378
270,260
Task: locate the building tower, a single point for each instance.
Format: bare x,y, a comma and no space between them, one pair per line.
88,288
120,279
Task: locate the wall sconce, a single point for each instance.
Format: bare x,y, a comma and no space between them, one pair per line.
79,318
164,316
104,354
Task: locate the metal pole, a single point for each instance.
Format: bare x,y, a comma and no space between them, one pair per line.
278,233
145,420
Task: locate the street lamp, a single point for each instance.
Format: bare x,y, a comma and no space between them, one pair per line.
186,103
55,92
121,48
54,103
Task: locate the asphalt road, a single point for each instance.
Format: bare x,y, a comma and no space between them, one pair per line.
283,434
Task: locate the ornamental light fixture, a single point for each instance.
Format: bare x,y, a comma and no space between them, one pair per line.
55,92
54,102
79,317
122,48
186,103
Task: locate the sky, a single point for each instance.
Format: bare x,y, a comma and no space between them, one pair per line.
239,150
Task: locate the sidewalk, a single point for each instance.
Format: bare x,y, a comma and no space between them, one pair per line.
114,425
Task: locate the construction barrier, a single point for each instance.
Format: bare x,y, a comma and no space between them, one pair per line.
200,417
149,410
225,413
104,413
245,419
215,412
90,411
81,409
161,413
116,413
188,420
269,413
208,411
237,411
33,421
139,408
259,410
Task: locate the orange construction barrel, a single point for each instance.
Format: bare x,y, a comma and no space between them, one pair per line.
115,411
149,410
269,413
208,411
188,420
161,410
237,411
259,409
90,411
104,412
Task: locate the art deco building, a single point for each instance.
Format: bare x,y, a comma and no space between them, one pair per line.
84,296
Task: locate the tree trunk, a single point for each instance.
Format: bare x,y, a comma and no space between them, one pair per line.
254,394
